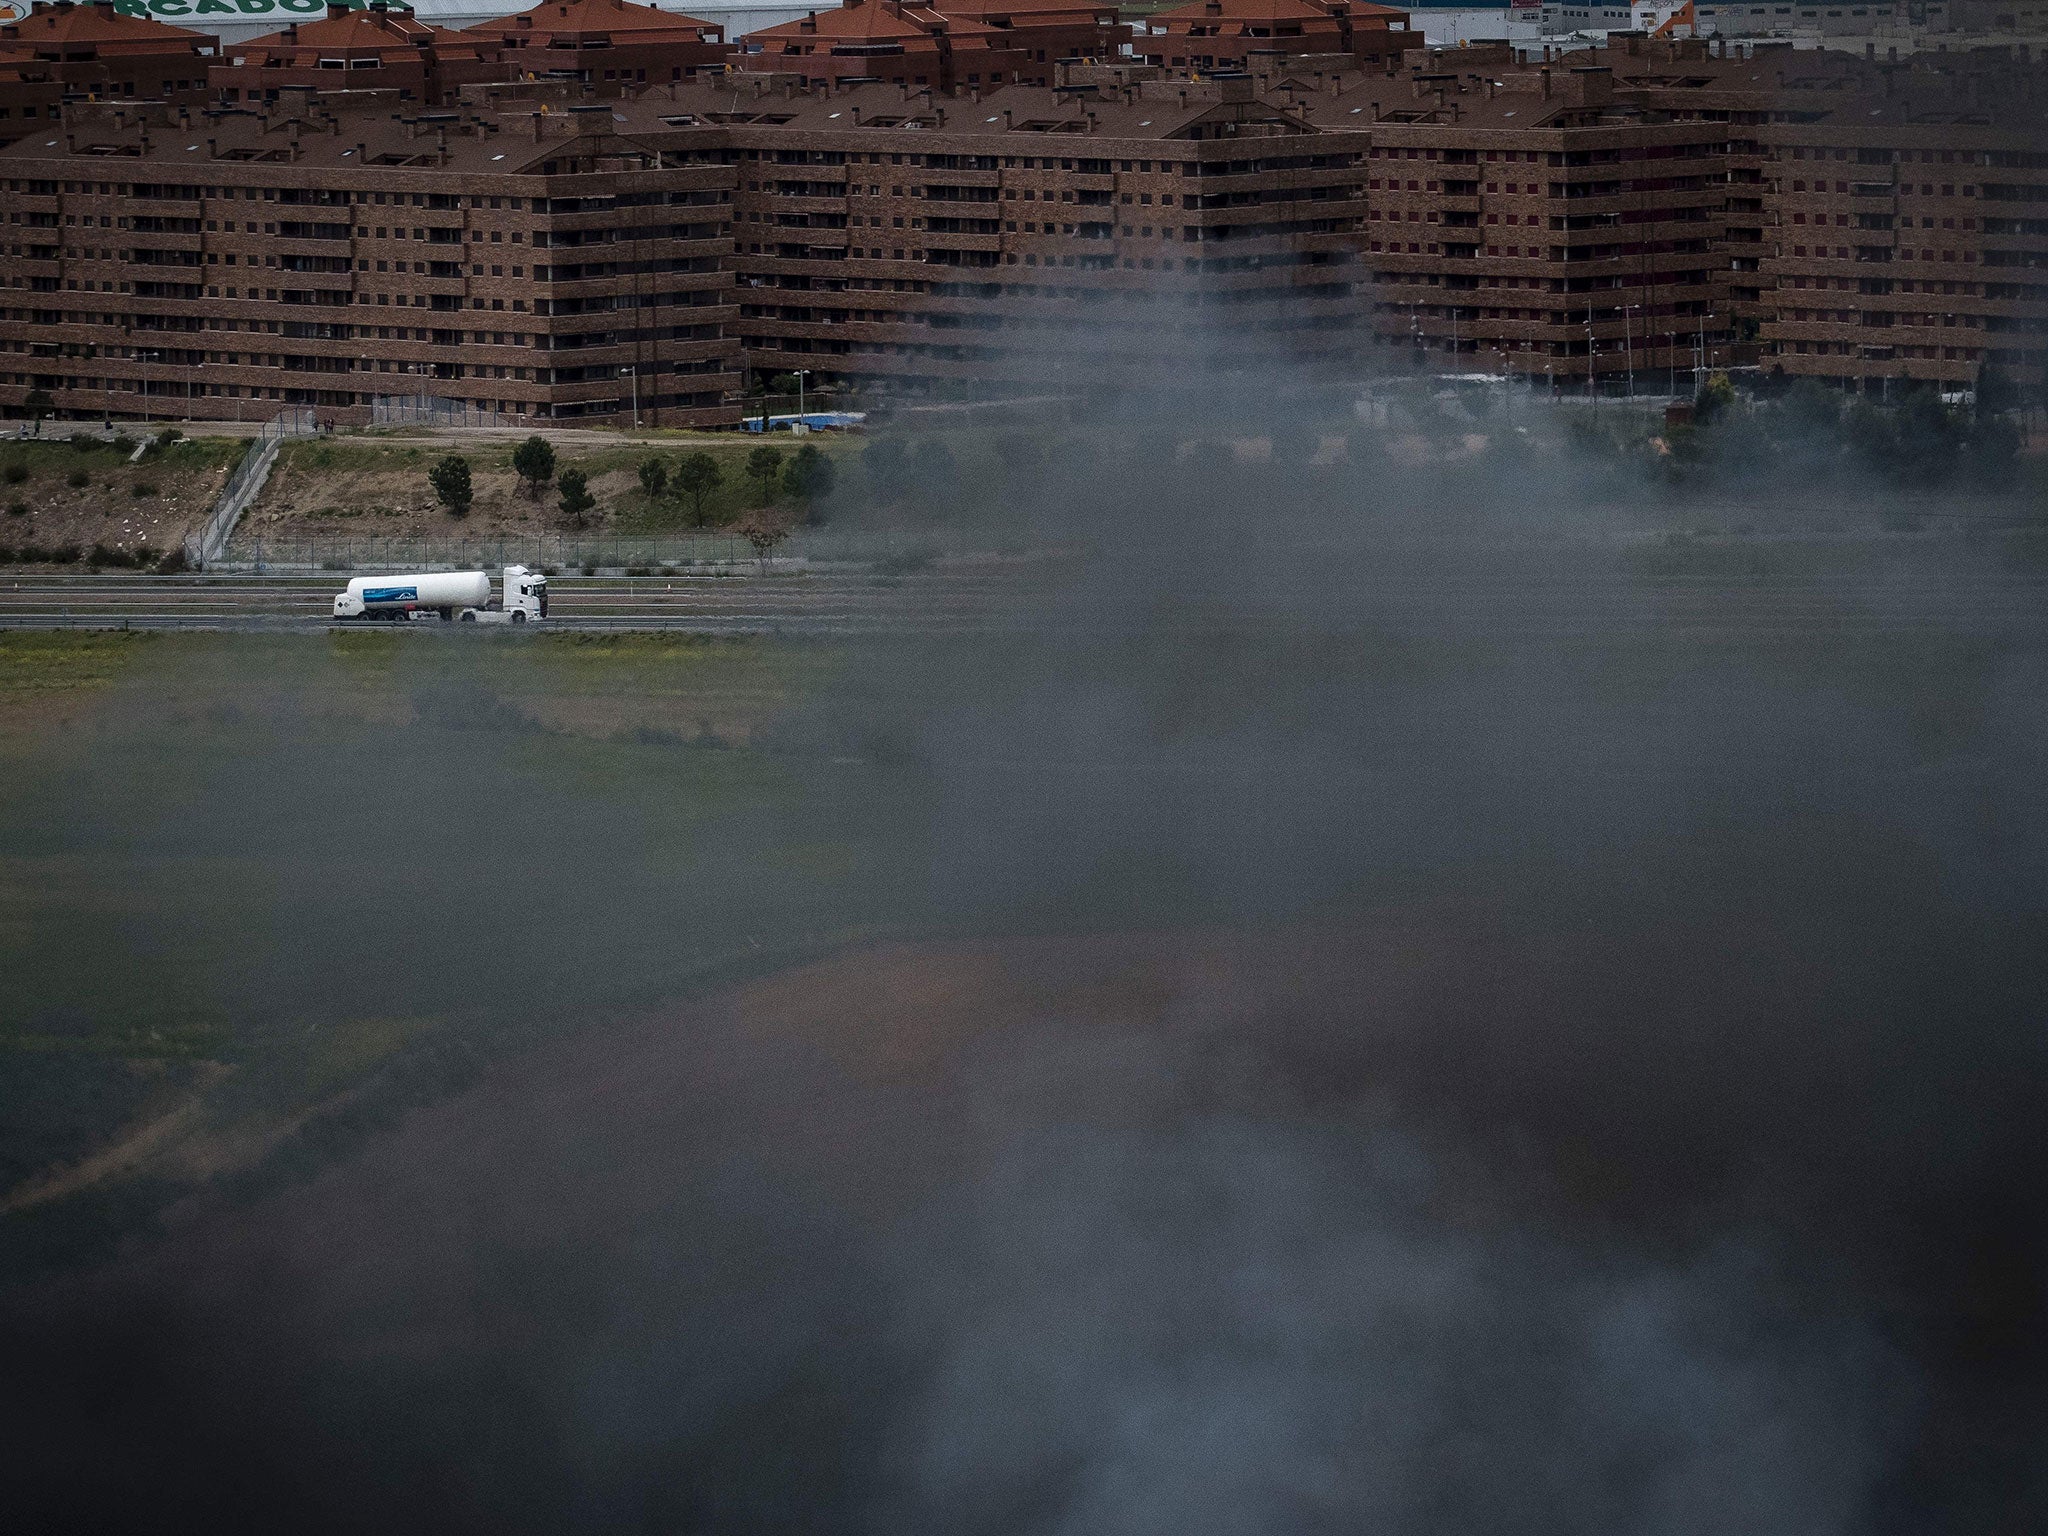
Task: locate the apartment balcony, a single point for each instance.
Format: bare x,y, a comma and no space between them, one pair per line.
830,262
776,206
1297,178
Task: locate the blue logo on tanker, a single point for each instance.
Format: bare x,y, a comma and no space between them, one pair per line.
391,594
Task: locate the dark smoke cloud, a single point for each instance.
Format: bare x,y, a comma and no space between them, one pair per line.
1437,1029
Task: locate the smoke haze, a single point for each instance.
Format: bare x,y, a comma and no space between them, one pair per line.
1383,1007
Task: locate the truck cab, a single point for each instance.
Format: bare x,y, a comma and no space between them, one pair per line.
525,593
522,599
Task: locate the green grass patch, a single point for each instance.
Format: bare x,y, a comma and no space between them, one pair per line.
32,664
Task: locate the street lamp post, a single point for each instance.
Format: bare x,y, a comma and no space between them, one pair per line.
801,375
1628,346
635,372
1592,381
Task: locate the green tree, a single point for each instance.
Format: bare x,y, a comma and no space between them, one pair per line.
576,498
534,460
697,476
451,482
887,466
1713,399
38,405
763,465
653,477
809,475
934,470
1927,439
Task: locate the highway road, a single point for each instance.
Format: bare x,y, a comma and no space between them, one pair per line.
737,604
995,597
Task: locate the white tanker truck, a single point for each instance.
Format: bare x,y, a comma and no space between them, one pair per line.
464,595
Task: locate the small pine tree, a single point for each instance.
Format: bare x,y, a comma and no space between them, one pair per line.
534,460
451,482
653,477
763,465
697,476
576,498
809,475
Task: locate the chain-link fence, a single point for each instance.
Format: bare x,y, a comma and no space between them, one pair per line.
208,545
437,411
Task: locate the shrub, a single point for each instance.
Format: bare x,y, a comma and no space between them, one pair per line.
17,509
122,444
142,488
590,567
64,554
141,555
15,472
100,554
173,560
78,479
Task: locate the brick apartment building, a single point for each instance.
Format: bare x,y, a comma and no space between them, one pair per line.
1909,234
612,46
1546,222
1032,234
906,239
1633,211
229,264
948,46
1241,34
67,50
373,49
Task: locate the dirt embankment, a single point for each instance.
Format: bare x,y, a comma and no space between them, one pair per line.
357,488
60,499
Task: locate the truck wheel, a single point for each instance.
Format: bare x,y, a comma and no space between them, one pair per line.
469,615
518,616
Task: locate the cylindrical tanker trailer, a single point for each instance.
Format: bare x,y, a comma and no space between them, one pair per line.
395,597
464,595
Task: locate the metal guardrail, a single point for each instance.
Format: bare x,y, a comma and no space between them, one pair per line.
206,547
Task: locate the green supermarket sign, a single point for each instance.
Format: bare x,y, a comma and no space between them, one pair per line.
189,10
